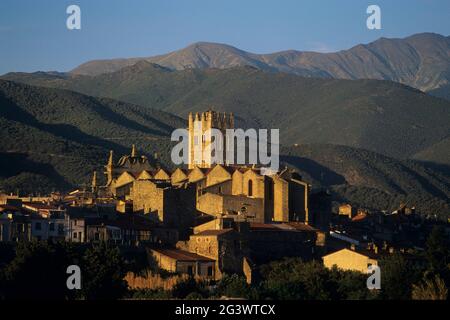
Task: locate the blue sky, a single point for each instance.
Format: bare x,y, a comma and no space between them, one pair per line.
33,33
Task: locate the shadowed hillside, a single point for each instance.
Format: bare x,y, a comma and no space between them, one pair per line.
64,135
382,116
372,180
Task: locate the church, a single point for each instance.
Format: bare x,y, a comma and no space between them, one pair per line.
240,192
233,215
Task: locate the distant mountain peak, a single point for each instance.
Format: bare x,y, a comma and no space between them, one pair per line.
421,60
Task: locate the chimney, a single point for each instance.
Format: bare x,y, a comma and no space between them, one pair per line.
375,249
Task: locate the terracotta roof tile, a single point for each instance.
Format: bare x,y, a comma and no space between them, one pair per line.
182,255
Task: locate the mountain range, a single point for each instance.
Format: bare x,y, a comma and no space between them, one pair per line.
382,116
421,61
370,142
54,139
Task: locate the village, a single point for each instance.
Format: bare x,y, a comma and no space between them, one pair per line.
209,220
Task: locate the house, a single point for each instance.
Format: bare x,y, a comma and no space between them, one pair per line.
42,209
222,246
98,231
354,259
347,210
175,260
125,229
171,205
234,244
76,217
15,227
52,228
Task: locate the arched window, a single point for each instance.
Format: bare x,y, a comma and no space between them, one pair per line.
250,188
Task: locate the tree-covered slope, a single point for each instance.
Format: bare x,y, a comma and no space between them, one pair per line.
372,180
382,116
62,135
53,139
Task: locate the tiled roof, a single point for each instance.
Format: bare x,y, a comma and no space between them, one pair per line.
217,183
359,217
262,226
8,207
182,255
185,171
39,206
290,226
229,169
213,232
301,226
366,253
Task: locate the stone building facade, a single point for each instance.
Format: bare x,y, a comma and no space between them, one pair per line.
243,192
351,259
185,262
237,247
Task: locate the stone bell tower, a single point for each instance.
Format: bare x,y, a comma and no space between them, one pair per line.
199,124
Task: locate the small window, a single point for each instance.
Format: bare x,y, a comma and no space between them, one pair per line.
250,188
74,235
190,270
210,271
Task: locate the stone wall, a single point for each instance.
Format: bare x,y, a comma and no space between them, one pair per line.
281,196
147,197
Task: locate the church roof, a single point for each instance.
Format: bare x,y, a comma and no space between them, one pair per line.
132,160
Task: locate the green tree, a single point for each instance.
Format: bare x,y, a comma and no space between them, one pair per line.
438,253
38,271
352,285
292,279
189,288
103,273
397,277
430,289
234,286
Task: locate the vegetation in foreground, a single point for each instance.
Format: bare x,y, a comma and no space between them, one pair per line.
37,270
